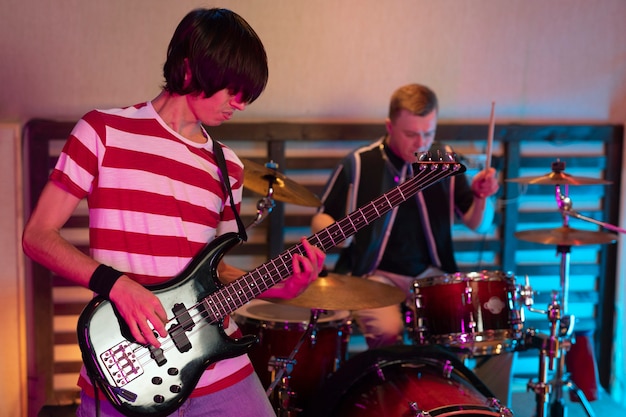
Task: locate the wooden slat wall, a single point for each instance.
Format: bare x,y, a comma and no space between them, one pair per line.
306,152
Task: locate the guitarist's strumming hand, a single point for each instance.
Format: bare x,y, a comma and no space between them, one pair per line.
305,269
139,307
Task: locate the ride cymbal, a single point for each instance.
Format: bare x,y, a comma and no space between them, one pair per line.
345,292
566,236
558,178
259,179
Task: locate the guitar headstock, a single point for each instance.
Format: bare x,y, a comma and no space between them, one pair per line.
439,158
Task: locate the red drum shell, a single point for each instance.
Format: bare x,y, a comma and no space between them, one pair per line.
279,327
405,381
475,311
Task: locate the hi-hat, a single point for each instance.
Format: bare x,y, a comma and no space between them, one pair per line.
566,236
345,292
259,178
558,178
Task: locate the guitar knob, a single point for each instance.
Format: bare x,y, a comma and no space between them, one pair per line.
175,389
157,380
159,399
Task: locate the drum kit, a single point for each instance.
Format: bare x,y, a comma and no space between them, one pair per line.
302,354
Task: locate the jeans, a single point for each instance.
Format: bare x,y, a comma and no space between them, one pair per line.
244,399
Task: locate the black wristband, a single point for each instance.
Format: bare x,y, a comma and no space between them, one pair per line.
103,279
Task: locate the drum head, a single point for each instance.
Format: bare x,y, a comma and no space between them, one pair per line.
459,277
387,381
284,316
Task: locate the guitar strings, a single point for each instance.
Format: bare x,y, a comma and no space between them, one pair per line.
429,173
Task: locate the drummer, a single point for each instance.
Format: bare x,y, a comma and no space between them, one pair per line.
414,240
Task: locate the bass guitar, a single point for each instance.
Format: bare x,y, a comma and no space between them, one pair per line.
140,380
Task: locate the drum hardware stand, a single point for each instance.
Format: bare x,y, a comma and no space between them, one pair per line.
281,366
552,348
558,345
555,346
266,204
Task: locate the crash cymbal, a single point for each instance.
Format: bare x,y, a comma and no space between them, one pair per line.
345,292
558,178
566,236
258,179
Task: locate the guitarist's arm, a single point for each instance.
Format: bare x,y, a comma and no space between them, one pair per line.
42,242
305,270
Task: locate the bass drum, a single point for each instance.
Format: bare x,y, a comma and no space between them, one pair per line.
405,381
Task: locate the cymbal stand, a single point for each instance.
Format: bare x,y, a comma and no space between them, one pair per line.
563,201
266,204
281,369
263,206
552,348
555,347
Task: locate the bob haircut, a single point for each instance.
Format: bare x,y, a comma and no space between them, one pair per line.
221,50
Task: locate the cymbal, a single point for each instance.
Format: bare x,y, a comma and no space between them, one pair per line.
566,236
557,178
258,178
345,292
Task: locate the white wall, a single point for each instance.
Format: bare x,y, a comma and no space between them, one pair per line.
556,60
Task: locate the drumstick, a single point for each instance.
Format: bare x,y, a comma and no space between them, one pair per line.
490,137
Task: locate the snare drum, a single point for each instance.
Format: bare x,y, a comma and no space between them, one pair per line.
476,312
279,328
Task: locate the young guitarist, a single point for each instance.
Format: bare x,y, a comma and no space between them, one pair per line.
156,197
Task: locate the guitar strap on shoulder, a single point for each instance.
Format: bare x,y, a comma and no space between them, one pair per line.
221,164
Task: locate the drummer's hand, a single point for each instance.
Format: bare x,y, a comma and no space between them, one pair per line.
305,269
485,183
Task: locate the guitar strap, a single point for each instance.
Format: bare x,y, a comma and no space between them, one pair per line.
221,164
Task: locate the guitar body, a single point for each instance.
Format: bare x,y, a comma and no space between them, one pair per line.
139,381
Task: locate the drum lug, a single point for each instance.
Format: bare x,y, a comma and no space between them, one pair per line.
467,292
494,403
472,323
417,412
447,369
418,331
313,337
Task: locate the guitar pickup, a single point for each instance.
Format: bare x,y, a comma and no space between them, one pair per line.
182,316
184,324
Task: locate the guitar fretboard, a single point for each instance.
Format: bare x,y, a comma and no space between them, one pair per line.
234,295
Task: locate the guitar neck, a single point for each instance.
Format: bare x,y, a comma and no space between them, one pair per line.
234,295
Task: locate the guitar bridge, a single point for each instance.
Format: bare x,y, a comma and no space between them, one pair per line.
121,363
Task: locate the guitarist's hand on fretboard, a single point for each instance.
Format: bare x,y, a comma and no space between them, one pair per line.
139,307
305,269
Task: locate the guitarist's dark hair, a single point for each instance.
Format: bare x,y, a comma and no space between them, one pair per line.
219,49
